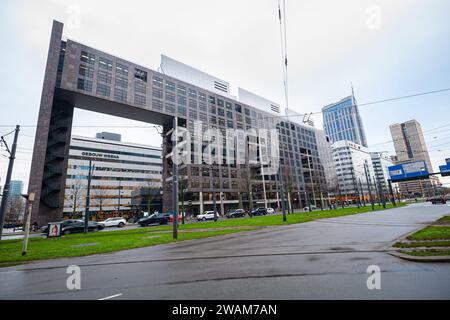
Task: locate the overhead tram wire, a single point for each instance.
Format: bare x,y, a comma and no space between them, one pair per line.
267,117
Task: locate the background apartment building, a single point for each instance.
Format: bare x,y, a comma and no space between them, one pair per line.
119,169
381,163
351,162
410,146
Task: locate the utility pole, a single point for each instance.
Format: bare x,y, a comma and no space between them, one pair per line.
392,193
362,192
175,177
377,190
120,197
355,187
30,199
88,199
12,157
369,186
380,188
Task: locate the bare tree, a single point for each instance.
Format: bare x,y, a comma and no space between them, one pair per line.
16,209
74,197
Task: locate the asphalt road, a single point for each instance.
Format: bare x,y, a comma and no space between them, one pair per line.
326,259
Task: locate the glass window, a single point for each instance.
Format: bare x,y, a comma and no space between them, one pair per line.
140,74
157,104
103,90
87,57
120,94
139,100
182,111
121,82
85,85
121,70
170,86
212,100
182,100
157,93
238,108
86,71
104,63
157,81
140,87
220,103
181,90
192,93
104,76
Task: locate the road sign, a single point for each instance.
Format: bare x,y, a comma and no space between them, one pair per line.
409,171
445,170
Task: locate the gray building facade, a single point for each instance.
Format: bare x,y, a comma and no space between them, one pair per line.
78,76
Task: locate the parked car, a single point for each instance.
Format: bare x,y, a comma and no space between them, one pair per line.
438,200
156,218
118,222
78,227
65,223
207,215
270,211
239,213
259,212
312,208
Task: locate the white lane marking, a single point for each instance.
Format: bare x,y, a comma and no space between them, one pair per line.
112,297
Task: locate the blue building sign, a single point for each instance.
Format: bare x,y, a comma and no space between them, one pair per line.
445,169
409,171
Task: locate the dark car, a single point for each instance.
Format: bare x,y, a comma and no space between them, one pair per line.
438,200
239,213
156,218
259,212
78,227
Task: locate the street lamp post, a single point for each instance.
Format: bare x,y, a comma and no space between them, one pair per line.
30,199
88,199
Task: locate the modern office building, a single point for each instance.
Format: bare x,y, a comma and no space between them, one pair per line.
410,146
16,188
351,162
381,163
325,150
118,169
342,121
78,76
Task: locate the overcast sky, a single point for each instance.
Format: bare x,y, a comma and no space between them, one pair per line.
386,48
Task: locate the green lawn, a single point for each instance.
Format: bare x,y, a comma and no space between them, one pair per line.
431,233
445,219
417,244
429,253
101,242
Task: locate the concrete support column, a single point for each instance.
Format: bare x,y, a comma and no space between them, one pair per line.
201,202
222,208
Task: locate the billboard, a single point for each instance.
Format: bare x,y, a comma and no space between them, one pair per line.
409,171
445,169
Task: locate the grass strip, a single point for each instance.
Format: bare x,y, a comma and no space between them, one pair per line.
76,245
431,233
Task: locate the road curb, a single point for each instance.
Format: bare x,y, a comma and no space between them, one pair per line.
420,259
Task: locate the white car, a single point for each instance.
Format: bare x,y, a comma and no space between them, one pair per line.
118,222
207,215
270,211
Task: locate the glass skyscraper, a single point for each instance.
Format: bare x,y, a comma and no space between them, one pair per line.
342,121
